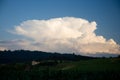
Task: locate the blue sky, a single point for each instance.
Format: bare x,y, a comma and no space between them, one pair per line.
106,13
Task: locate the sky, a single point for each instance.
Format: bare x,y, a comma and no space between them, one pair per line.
81,26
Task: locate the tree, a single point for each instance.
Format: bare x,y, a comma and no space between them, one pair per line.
118,56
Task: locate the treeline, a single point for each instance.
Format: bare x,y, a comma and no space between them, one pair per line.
8,56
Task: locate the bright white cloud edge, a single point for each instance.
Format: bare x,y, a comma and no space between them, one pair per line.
65,35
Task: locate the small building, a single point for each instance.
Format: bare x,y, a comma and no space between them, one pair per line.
35,62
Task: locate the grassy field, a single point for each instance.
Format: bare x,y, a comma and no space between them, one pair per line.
95,69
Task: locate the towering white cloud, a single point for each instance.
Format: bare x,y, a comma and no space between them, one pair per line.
67,34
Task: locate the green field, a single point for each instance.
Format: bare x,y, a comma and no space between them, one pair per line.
95,69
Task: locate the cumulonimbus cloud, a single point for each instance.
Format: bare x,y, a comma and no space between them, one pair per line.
67,34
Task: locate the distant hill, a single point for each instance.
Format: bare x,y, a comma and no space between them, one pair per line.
107,55
26,55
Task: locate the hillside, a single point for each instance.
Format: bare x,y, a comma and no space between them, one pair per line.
26,56
95,69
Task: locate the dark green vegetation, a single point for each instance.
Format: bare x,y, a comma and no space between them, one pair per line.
17,65
94,69
26,56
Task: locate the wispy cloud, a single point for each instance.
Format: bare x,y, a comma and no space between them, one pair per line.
67,34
